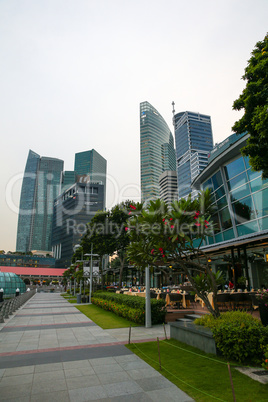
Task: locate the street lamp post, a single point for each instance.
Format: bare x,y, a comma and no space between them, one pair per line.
85,274
148,316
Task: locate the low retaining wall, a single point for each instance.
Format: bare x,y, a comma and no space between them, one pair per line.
194,335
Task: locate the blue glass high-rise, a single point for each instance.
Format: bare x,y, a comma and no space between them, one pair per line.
40,186
156,150
194,141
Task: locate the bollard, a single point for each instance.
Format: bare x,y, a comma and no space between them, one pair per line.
1,295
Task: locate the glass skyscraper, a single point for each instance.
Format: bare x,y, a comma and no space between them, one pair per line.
92,164
156,150
40,186
193,138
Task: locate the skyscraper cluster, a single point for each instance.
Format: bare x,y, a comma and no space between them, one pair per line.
166,173
45,190
56,205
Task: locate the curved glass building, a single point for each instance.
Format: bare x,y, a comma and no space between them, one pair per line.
239,245
10,282
156,150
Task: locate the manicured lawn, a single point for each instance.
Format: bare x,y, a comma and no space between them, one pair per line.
70,299
105,319
192,371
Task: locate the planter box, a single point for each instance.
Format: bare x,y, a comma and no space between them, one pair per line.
194,335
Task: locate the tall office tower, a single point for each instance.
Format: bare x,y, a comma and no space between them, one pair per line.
156,150
68,178
168,184
73,209
193,138
40,186
92,164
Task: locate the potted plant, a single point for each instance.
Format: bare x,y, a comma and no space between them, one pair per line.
262,298
241,282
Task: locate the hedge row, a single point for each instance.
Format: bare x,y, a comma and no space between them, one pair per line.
238,335
130,307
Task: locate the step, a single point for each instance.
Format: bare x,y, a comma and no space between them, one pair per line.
193,316
185,320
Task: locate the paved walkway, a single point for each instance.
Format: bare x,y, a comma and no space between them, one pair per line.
49,351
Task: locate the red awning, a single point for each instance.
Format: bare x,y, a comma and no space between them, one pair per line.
34,271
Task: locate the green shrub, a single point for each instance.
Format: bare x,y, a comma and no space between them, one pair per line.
238,335
130,307
265,358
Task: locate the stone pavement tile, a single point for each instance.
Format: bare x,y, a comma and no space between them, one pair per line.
139,374
66,344
16,392
172,394
20,399
42,368
133,365
80,382
52,386
122,388
77,364
15,379
138,397
154,383
22,347
126,358
101,361
60,396
107,368
2,372
48,376
78,372
95,393
8,347
113,377
19,370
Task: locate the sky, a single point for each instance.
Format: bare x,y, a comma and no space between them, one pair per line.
73,73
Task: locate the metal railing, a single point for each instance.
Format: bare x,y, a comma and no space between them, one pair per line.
9,306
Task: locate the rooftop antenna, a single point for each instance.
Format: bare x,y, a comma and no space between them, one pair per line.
173,112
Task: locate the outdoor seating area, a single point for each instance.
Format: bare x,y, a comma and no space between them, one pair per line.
178,299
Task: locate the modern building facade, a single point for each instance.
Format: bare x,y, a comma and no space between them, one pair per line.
168,184
157,151
40,186
193,139
92,164
21,260
239,245
73,209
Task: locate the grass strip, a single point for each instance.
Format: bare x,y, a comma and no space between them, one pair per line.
105,319
203,379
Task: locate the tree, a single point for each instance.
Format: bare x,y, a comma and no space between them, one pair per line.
254,101
106,231
119,217
98,234
160,235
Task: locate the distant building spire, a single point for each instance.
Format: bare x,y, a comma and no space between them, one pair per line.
173,112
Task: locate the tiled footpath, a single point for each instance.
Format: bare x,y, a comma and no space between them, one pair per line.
49,351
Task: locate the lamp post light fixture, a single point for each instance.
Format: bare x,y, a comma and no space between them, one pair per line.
85,274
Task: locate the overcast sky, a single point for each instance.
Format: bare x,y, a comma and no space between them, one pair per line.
73,73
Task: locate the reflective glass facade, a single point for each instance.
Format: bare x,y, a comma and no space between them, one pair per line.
156,150
10,283
241,197
193,139
73,209
93,164
40,186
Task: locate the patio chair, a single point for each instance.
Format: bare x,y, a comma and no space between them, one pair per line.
223,300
